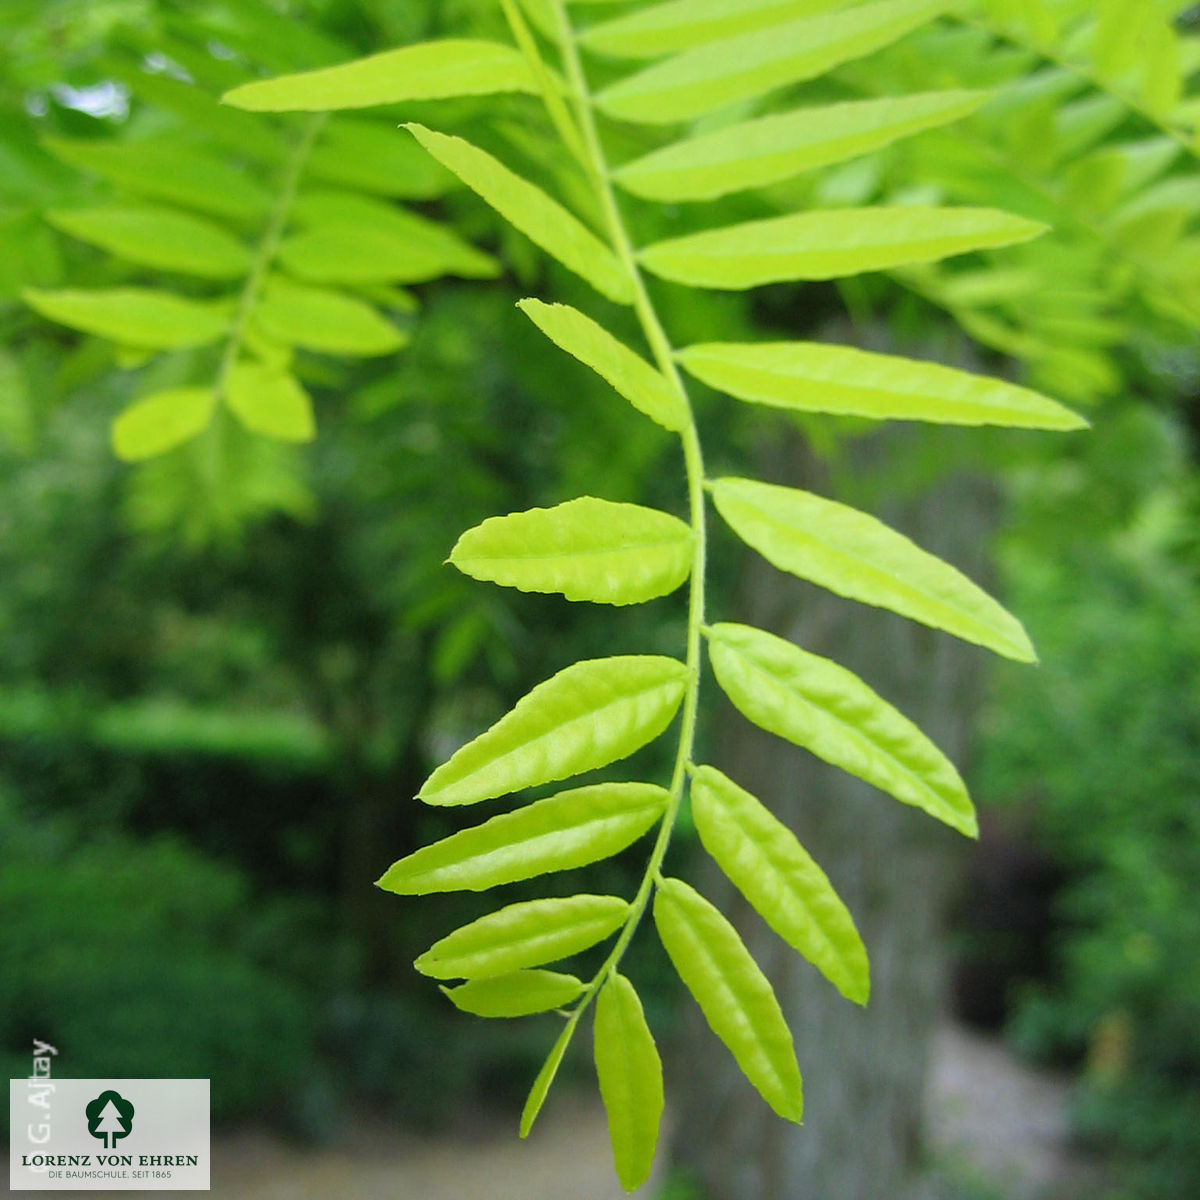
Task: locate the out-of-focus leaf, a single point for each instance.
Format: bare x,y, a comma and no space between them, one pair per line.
317,319
132,316
268,400
161,422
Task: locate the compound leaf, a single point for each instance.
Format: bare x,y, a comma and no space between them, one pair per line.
531,211
857,556
427,71
575,827
517,994
830,711
739,68
735,996
586,549
631,1080
588,715
628,373
132,316
829,244
775,873
766,150
814,377
523,935
317,319
268,400
161,422
157,237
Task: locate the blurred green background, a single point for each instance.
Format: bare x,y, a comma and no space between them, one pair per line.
219,692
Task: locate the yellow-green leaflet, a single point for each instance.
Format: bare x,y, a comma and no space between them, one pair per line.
352,254
815,377
545,1077
426,71
317,319
738,68
631,1080
830,244
769,149
517,994
775,873
830,711
733,993
530,210
586,549
523,935
568,830
268,400
157,237
132,316
588,715
168,171
628,373
682,24
159,423
855,555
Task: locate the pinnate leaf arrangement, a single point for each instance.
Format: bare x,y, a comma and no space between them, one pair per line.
699,55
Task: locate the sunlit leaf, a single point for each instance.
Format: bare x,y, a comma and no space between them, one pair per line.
775,873
517,994
375,157
317,319
168,170
588,715
631,1080
766,150
735,996
587,549
857,556
576,827
132,316
738,68
425,71
157,237
268,400
830,244
628,373
161,422
816,377
530,210
523,935
830,711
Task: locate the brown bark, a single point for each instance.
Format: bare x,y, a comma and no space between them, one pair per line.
864,1070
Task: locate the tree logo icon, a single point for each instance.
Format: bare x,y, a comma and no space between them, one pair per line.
109,1117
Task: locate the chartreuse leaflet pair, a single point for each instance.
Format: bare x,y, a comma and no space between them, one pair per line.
597,712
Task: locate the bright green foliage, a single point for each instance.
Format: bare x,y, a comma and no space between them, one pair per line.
733,993
542,219
766,150
523,935
774,872
857,556
270,401
159,422
314,318
628,373
586,549
588,715
717,62
830,711
430,71
811,377
568,830
829,245
133,316
631,1079
515,995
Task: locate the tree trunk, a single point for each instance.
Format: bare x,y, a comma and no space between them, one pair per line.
864,1070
